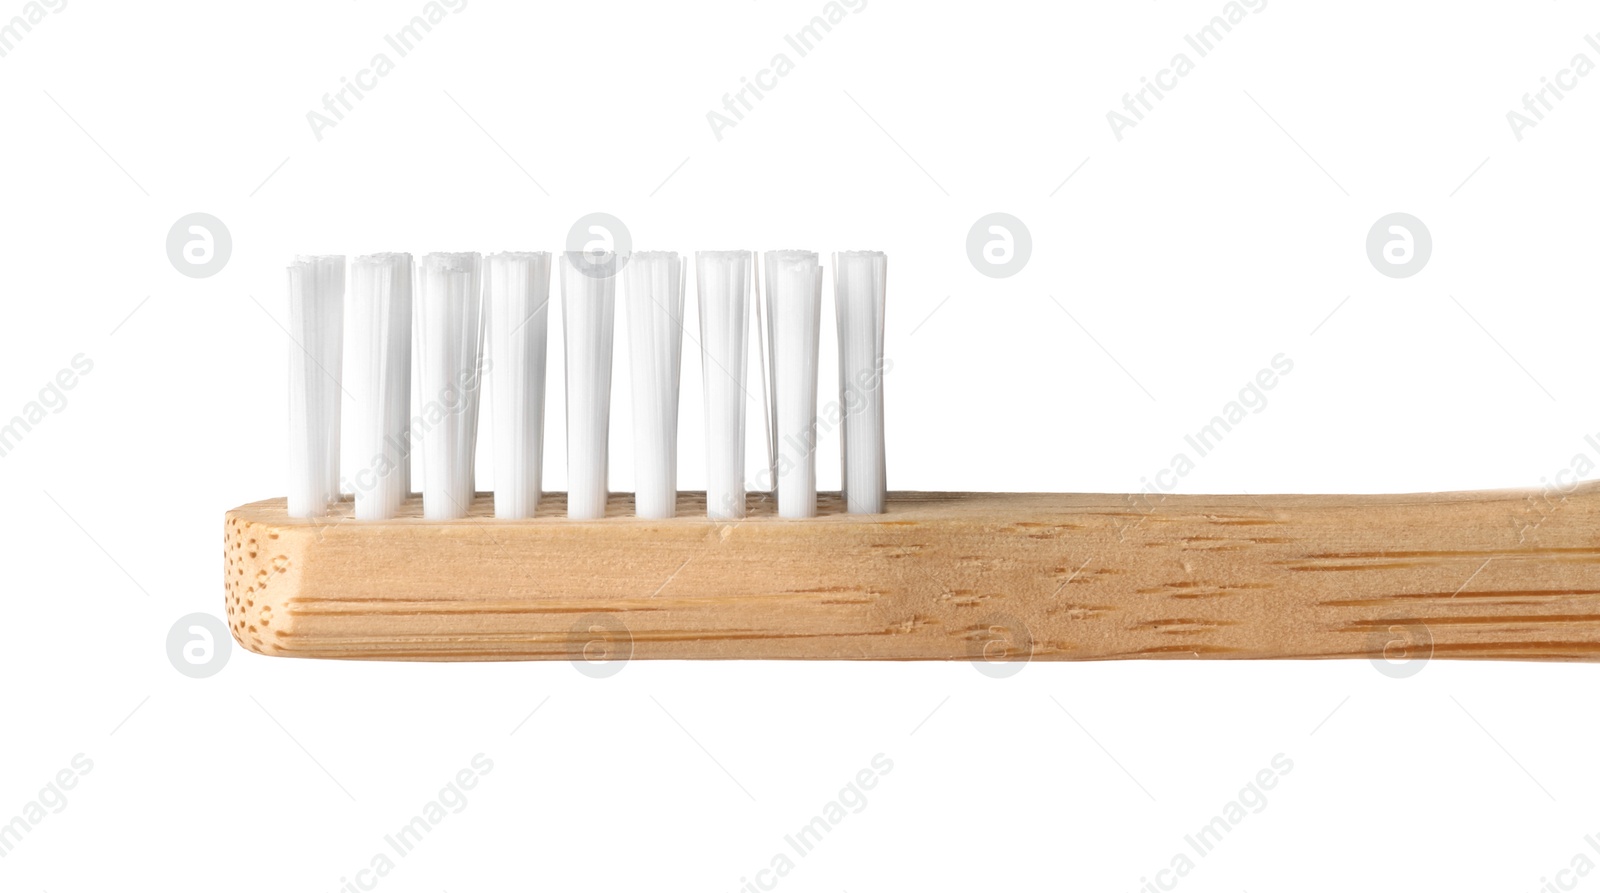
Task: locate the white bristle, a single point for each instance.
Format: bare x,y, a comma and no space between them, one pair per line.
316,323
858,295
588,308
724,281
449,334
518,306
432,328
655,351
379,378
794,316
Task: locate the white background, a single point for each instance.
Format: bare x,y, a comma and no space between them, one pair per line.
1226,228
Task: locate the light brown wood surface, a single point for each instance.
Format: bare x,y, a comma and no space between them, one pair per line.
941,576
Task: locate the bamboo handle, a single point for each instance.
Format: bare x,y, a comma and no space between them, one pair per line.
941,576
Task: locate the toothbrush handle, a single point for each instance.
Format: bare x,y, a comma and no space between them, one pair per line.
940,576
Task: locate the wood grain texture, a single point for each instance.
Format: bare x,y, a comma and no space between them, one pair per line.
1503,574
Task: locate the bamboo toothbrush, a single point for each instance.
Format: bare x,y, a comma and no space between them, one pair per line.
453,574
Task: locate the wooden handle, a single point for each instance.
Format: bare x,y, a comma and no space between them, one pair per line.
942,576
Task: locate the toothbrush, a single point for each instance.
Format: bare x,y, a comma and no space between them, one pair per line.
741,573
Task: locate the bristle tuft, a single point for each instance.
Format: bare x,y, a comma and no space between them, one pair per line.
449,335
588,313
794,308
724,281
655,352
379,379
859,279
316,330
518,307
